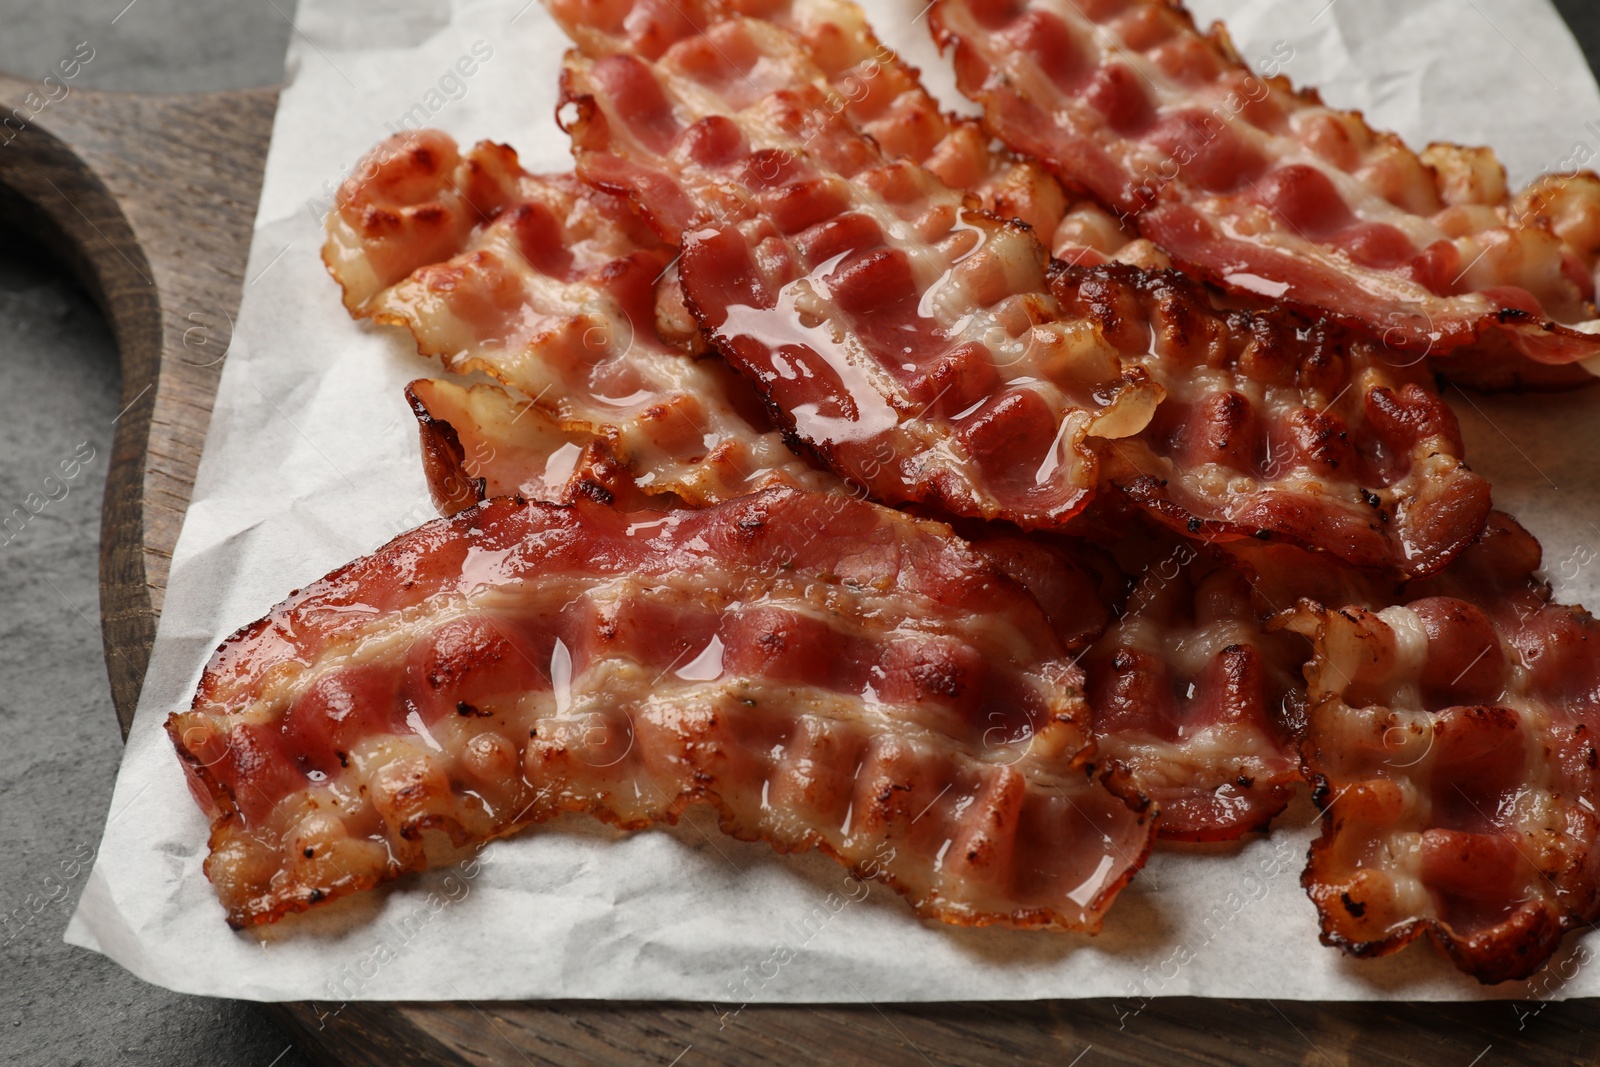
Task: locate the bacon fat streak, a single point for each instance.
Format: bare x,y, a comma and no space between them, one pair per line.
822,671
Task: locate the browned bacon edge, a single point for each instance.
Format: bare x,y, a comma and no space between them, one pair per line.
444,460
478,442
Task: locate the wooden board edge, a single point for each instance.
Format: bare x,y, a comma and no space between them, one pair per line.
91,175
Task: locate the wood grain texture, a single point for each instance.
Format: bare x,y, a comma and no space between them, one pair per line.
150,200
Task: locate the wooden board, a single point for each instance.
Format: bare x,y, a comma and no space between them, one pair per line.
150,200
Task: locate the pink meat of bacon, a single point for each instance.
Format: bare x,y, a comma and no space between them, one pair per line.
1451,737
916,345
1268,192
823,672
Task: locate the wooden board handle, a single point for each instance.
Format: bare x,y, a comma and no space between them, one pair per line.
149,200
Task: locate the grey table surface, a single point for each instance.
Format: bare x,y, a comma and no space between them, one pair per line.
58,735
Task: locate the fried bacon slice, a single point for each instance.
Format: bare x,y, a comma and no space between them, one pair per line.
909,340
1273,428
824,672
1451,738
1264,190
912,343
549,287
415,243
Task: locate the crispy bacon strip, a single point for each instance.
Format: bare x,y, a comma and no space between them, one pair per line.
549,287
1274,429
1266,191
909,340
1452,741
824,672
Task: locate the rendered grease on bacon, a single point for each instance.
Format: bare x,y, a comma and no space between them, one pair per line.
469,253
551,288
823,672
1267,192
909,340
1451,736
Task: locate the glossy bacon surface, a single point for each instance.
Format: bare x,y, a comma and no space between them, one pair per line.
408,205
551,288
824,672
1274,429
908,339
1452,739
1266,191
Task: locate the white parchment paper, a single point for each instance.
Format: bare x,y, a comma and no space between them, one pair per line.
311,460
